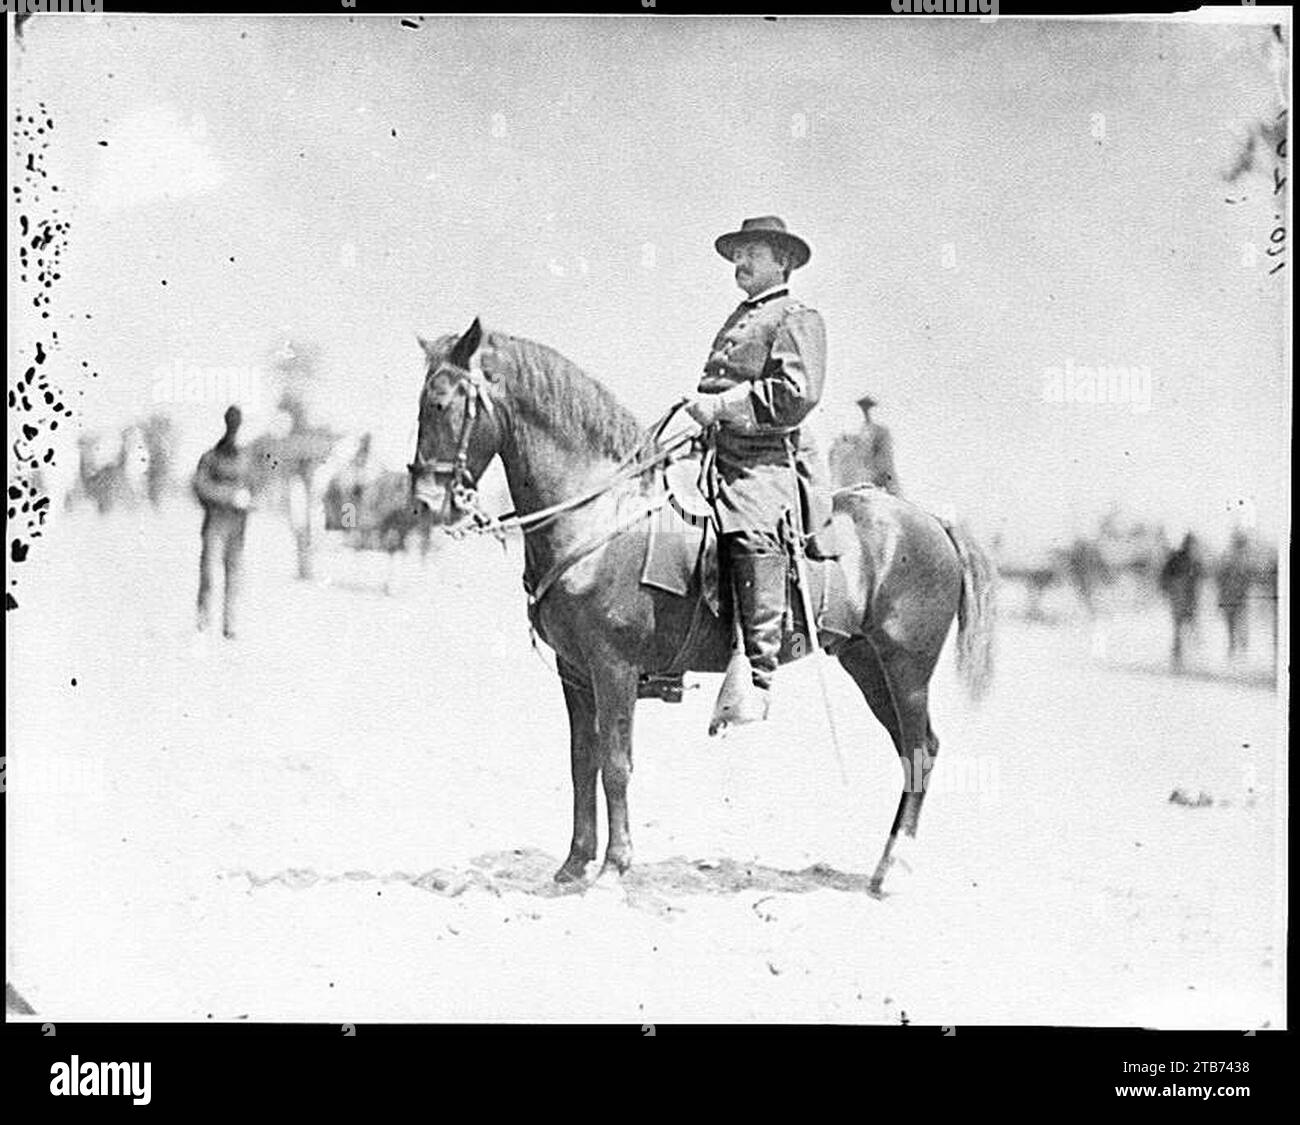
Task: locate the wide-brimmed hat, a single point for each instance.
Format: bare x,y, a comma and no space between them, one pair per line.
866,402
769,228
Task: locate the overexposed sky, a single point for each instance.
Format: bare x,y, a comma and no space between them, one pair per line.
984,201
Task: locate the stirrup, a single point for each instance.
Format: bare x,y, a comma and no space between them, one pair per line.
748,707
740,700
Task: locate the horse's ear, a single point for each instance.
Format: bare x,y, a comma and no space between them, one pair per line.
425,346
467,345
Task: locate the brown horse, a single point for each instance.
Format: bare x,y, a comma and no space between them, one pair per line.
566,446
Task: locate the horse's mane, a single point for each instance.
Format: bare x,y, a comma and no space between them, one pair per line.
576,410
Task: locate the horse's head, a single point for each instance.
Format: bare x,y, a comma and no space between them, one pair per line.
460,426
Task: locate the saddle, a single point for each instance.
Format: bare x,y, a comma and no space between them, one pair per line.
684,479
681,558
682,553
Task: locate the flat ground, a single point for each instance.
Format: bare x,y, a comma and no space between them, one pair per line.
353,812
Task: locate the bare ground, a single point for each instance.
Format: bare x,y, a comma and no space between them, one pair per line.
353,812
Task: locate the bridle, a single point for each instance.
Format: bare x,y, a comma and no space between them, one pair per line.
463,493
461,490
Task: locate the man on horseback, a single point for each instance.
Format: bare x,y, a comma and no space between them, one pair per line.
867,455
764,375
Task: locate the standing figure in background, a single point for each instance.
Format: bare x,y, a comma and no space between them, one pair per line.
358,481
101,473
865,456
160,440
222,486
1268,591
1180,582
1088,571
1234,576
303,454
135,465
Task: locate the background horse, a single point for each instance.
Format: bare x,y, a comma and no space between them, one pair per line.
376,513
561,437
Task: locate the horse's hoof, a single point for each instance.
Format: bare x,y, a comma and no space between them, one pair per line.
903,860
573,871
607,886
898,864
616,864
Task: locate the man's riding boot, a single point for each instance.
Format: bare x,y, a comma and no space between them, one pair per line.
760,590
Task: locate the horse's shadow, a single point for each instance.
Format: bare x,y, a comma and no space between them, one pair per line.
648,886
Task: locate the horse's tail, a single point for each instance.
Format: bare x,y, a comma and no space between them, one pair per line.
976,612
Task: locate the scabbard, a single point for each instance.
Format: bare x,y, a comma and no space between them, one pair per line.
709,472
805,592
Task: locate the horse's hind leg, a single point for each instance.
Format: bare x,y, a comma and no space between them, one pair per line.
584,763
862,663
896,685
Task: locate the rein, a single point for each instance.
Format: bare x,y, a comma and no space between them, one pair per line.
630,468
478,521
560,568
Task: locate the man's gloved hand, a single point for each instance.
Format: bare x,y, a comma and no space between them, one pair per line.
243,499
705,409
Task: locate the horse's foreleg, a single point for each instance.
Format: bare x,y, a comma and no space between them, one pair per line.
615,707
584,762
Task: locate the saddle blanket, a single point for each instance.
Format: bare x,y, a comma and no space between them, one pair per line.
682,559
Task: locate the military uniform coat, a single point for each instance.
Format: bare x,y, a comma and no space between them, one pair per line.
768,362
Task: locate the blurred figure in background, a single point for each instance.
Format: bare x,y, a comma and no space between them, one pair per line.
1180,582
301,455
1086,566
1268,591
135,465
1234,577
160,440
222,484
101,475
349,491
866,455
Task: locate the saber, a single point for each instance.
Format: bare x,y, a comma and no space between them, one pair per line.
805,596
